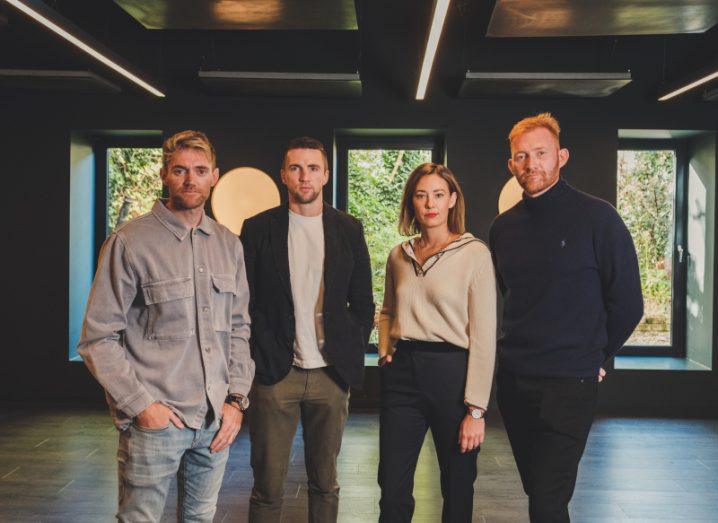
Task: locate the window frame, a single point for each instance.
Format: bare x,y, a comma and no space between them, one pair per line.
679,281
344,143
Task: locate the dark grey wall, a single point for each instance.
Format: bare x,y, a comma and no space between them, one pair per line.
35,137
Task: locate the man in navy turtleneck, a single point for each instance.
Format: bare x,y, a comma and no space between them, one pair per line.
568,273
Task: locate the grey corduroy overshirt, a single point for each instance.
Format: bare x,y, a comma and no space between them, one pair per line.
167,318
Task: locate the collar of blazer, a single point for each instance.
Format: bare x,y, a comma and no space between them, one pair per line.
279,237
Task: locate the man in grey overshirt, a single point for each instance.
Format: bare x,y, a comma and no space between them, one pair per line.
166,334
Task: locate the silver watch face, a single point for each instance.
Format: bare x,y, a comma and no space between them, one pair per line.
242,401
476,413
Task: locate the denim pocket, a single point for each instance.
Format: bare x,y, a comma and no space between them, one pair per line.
148,430
224,289
170,308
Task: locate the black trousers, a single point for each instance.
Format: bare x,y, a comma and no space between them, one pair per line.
423,388
547,421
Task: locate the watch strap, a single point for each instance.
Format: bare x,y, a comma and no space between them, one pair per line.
477,412
240,401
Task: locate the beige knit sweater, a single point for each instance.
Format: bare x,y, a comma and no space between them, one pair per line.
451,298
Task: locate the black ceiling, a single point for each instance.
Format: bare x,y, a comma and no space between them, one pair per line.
549,18
386,49
245,14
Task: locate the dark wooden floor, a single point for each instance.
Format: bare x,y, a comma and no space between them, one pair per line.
58,465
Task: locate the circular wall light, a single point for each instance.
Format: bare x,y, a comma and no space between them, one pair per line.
240,194
510,195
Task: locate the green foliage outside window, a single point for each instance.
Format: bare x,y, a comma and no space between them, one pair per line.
376,182
133,183
646,182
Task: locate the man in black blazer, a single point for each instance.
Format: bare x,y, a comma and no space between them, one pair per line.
312,312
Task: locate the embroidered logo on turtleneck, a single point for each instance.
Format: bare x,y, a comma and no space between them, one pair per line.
563,243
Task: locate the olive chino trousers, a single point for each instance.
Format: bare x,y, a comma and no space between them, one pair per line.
318,397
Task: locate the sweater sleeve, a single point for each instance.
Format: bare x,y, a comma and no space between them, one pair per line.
620,280
492,249
388,311
482,333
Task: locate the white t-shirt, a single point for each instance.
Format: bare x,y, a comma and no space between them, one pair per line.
306,271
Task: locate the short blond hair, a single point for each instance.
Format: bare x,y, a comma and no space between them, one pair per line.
407,217
545,120
188,140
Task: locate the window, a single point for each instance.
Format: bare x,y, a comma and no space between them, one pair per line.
114,177
372,174
650,199
128,180
133,183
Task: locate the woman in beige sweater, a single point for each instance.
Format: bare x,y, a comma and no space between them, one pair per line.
437,343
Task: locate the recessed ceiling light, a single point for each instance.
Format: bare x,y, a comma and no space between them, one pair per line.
33,10
705,79
437,25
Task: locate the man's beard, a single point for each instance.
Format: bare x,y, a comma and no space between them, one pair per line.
305,198
535,182
180,202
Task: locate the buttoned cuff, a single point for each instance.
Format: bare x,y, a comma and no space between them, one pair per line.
240,387
136,403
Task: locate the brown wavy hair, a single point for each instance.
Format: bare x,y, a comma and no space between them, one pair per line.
407,217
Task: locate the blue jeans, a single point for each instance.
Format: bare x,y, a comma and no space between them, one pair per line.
149,459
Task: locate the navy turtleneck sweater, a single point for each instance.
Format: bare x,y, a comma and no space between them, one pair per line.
568,273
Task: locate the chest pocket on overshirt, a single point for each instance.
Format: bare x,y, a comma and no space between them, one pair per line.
170,305
224,288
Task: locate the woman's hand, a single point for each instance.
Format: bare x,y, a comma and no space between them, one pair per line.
471,433
385,360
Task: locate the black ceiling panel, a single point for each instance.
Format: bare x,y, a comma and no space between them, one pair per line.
551,18
55,81
542,85
243,14
315,85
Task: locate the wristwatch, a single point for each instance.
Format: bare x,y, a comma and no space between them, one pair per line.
238,400
477,413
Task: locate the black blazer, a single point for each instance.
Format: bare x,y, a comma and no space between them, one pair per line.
348,310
